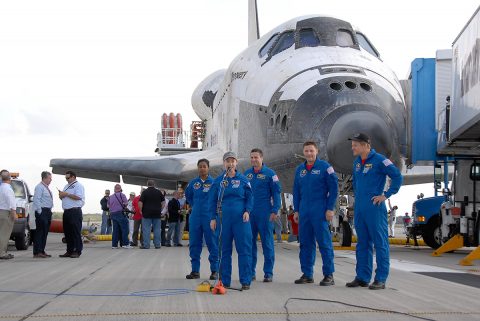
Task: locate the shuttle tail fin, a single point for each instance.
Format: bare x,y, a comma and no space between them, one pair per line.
253,28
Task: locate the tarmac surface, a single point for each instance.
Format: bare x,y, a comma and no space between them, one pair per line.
135,284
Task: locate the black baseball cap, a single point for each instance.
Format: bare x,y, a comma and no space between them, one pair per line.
360,137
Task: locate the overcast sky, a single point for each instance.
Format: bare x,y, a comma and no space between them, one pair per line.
92,78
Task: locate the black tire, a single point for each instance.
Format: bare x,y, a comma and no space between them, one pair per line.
22,241
431,233
345,234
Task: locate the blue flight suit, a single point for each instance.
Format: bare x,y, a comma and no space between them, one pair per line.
371,220
266,191
237,199
197,194
314,192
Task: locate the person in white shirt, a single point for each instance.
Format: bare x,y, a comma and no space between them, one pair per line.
130,217
42,204
8,214
392,215
73,199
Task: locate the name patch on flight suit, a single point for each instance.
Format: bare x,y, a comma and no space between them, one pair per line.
260,176
250,176
206,187
367,168
315,172
303,172
197,185
235,183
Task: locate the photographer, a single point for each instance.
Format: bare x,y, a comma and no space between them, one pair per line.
118,205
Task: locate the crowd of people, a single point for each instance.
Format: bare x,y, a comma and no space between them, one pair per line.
234,208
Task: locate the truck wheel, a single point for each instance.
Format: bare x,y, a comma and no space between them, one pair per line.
22,241
432,234
344,234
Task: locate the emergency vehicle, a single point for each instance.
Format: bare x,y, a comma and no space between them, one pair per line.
21,232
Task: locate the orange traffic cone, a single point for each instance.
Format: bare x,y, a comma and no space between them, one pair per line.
219,288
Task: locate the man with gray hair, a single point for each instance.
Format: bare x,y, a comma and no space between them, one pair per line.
150,204
42,204
7,214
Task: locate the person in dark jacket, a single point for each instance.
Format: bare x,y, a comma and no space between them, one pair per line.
150,205
174,220
106,227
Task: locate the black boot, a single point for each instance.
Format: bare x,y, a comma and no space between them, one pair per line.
304,279
356,283
327,280
193,275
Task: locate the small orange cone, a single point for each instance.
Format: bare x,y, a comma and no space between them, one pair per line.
219,288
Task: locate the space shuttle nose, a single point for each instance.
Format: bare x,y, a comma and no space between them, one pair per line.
339,148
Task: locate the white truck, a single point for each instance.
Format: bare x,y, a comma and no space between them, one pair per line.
21,232
460,215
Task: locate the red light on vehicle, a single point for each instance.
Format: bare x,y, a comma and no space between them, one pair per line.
456,211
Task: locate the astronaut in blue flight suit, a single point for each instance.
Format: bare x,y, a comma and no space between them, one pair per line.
236,206
315,192
197,194
266,191
369,176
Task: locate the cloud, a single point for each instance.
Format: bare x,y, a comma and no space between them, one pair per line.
45,122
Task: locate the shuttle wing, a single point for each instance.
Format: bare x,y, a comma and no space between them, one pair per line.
421,175
166,171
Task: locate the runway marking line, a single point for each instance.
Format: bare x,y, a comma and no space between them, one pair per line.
266,313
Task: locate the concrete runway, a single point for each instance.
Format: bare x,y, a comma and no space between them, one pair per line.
135,284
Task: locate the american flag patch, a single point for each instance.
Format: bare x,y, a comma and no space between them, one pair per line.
330,170
387,162
275,178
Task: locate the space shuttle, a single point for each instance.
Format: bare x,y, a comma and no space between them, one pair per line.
311,78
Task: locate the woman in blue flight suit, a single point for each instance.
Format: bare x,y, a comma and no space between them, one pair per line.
236,205
315,192
370,170
197,194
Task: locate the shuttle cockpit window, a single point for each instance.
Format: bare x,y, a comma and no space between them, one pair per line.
307,38
285,41
365,44
268,45
344,38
